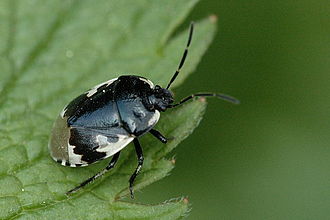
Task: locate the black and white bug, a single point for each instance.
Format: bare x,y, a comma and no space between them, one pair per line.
101,122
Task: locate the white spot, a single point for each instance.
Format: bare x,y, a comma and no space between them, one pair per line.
112,148
154,119
63,112
109,82
23,190
102,140
93,90
63,162
147,81
69,53
73,157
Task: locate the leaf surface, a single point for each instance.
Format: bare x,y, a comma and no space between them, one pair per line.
52,51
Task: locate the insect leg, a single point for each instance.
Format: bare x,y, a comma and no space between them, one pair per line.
220,96
158,135
99,174
140,158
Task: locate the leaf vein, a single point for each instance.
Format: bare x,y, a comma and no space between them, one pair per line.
36,52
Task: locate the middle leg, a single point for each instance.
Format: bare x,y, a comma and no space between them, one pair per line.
140,158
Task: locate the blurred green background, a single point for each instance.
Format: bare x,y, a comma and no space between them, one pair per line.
268,158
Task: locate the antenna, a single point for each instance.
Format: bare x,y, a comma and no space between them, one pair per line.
183,57
218,95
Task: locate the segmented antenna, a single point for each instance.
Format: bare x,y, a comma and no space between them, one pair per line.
183,57
218,95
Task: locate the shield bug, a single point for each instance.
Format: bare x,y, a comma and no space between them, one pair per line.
101,122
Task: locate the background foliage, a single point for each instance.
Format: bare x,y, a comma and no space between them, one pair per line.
52,51
269,157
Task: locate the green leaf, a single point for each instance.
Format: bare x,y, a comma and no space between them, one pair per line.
52,51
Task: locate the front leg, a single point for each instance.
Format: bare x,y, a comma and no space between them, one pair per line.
158,135
140,158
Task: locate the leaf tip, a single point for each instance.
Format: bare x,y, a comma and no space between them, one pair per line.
202,99
173,161
213,18
185,200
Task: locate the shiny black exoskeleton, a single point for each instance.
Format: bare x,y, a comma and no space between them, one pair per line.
101,122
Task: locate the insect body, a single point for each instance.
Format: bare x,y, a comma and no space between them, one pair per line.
101,122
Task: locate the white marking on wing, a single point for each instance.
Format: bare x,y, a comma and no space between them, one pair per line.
63,112
102,140
154,119
147,81
73,157
112,148
93,90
